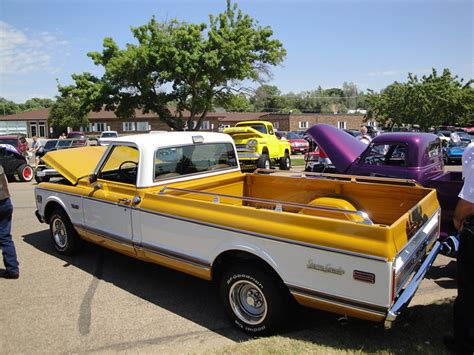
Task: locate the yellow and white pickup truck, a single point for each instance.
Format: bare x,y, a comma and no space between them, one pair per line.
358,247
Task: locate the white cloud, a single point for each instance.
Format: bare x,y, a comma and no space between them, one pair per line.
22,52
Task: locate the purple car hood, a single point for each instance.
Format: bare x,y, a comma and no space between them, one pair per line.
342,148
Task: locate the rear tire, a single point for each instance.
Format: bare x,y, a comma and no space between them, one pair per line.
264,162
65,238
25,173
254,299
285,162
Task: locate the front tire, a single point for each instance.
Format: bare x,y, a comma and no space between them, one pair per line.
255,300
65,238
285,162
264,162
25,173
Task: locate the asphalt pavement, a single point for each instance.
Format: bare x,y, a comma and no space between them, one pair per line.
103,301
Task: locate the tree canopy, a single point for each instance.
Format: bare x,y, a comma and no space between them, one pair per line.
189,65
428,102
8,107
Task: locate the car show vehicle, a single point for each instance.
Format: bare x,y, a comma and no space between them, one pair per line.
416,156
15,164
453,152
298,143
258,146
182,201
106,136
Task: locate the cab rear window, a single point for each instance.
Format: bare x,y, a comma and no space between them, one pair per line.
184,160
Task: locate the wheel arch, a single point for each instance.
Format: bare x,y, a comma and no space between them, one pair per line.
265,151
52,205
236,255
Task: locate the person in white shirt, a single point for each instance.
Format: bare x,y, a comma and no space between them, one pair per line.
463,340
363,136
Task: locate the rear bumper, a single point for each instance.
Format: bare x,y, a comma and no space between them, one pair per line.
410,290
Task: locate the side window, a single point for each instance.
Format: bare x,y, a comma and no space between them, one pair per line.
177,161
384,154
121,165
434,152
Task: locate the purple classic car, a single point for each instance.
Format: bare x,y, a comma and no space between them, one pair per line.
414,156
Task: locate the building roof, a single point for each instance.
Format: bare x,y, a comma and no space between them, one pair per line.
34,115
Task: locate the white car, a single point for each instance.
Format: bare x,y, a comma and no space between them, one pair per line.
106,136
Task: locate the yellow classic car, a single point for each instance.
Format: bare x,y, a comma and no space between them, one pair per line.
354,246
258,146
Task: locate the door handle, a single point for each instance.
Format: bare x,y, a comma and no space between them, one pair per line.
124,200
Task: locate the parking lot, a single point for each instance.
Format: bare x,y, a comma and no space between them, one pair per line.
103,301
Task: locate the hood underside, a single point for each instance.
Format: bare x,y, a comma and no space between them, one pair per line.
243,132
75,163
342,148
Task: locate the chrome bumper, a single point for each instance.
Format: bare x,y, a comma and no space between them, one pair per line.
245,156
409,291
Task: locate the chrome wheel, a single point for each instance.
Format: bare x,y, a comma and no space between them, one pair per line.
248,302
59,232
267,164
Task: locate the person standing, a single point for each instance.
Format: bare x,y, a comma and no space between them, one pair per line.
463,340
363,136
38,149
6,241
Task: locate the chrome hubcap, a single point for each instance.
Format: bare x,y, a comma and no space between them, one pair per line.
267,164
248,302
59,233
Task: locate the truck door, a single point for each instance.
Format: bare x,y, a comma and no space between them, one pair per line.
108,206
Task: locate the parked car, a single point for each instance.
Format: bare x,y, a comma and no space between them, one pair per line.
297,142
15,140
106,137
258,146
454,151
415,156
15,163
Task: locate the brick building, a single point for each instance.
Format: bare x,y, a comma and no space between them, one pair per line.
36,122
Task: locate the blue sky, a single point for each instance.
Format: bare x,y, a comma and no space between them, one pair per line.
371,43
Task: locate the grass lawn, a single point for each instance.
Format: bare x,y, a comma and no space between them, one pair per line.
297,161
419,329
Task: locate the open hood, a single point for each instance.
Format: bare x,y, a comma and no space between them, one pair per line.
342,148
244,132
74,163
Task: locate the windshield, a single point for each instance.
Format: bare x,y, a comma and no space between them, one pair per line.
64,143
108,134
292,135
258,127
50,144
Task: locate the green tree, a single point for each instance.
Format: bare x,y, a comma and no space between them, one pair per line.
8,107
430,101
267,98
235,103
68,112
36,103
201,63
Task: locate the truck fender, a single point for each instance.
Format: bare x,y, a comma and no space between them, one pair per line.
244,247
47,206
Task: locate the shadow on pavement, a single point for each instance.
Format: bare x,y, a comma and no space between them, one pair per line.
185,295
444,275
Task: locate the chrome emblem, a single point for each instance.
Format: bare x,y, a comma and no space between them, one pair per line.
325,268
